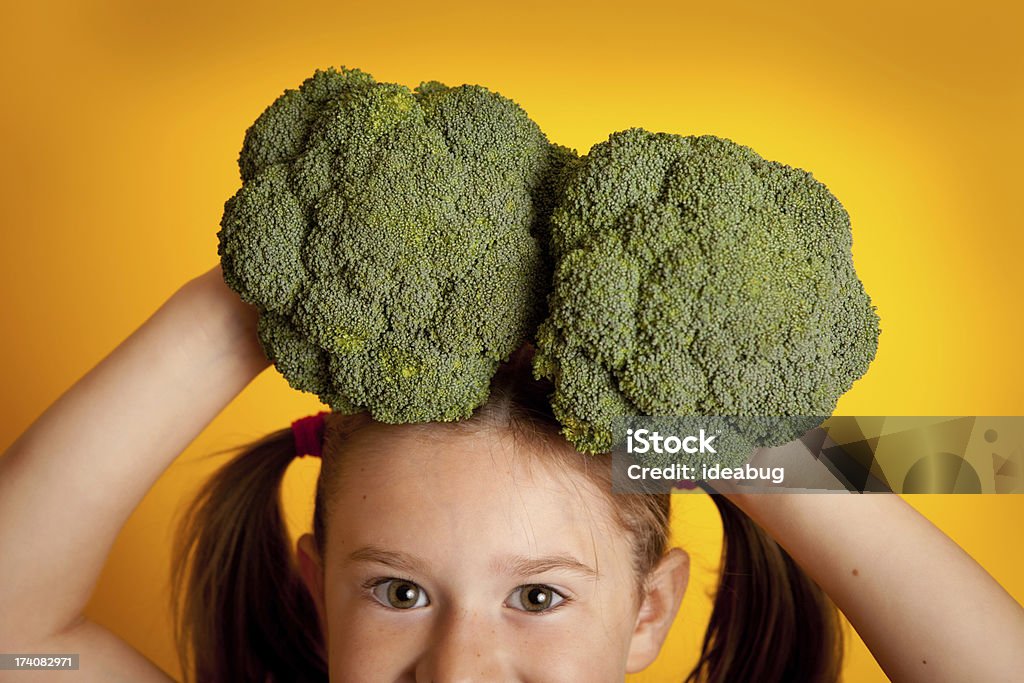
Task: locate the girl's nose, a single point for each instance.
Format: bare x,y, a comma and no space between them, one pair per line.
464,647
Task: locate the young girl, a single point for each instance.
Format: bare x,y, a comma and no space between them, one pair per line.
483,550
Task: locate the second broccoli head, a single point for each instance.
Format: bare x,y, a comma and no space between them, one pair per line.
694,277
392,240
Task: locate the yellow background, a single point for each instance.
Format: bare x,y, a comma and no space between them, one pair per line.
122,122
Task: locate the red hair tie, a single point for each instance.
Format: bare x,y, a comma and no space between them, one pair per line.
308,433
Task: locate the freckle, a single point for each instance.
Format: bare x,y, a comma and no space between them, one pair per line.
364,496
856,573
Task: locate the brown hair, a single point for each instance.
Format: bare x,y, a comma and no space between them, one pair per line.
241,611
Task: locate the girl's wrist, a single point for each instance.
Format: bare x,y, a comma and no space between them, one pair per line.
800,468
781,510
218,318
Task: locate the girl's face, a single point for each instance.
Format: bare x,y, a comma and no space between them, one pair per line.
459,559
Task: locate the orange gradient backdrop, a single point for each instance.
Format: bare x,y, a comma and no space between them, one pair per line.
122,123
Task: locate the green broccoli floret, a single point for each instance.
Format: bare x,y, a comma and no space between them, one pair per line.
393,240
694,277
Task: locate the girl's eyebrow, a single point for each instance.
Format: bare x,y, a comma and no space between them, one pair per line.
400,561
513,565
521,565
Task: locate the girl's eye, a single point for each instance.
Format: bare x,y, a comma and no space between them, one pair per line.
399,594
535,598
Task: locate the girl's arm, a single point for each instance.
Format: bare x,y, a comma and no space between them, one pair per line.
927,610
69,483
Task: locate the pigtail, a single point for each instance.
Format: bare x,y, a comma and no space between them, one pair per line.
241,610
770,623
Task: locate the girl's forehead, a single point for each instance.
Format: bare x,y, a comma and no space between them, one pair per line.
471,494
441,456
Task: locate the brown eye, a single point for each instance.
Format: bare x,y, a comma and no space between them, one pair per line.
399,594
534,598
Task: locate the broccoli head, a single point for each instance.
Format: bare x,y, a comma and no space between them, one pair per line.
693,277
393,240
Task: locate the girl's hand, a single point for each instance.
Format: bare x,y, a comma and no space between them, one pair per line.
802,470
221,315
